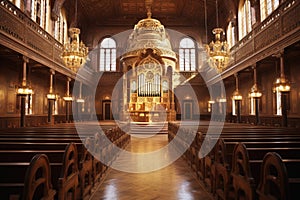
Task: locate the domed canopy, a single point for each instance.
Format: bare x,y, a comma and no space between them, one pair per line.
149,23
150,33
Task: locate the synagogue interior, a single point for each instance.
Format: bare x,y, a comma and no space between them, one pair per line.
149,99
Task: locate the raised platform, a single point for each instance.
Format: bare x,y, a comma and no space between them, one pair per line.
150,128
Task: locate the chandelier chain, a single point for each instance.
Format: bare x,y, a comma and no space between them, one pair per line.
217,14
218,49
75,19
205,17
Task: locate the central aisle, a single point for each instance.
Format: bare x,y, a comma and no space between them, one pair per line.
173,182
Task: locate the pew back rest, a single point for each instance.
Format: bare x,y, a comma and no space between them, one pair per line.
37,182
274,178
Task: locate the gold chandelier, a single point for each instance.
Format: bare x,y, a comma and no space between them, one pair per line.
218,50
75,52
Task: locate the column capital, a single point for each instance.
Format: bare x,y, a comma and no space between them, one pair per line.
52,71
25,59
279,54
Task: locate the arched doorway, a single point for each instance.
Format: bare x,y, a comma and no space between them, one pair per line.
106,110
187,109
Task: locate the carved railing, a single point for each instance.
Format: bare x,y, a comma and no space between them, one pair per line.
19,27
20,33
275,29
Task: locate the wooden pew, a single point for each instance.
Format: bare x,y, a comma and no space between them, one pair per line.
12,179
27,180
26,155
37,183
35,146
280,179
220,171
195,149
64,171
97,151
245,170
223,159
259,141
52,142
208,162
85,163
68,179
86,170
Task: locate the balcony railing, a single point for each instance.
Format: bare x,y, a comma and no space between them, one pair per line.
276,28
20,33
19,27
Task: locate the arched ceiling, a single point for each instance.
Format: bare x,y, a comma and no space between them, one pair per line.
170,12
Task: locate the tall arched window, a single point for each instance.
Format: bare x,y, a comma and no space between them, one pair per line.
16,3
187,55
27,7
267,7
60,28
244,18
230,35
107,61
40,12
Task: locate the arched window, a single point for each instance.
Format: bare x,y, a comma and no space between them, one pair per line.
187,55
39,12
230,35
244,18
16,3
60,28
107,61
267,7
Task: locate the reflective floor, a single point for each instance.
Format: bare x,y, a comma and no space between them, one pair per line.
175,181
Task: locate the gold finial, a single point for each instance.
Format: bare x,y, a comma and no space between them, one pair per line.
149,14
148,4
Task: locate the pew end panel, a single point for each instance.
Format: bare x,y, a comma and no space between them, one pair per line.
68,181
280,178
37,184
242,181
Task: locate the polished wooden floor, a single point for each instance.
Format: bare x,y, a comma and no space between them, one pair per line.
173,182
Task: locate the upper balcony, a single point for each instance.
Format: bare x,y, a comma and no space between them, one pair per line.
278,31
21,34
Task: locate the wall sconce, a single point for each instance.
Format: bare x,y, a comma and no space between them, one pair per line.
51,96
24,91
236,94
68,97
254,91
80,100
